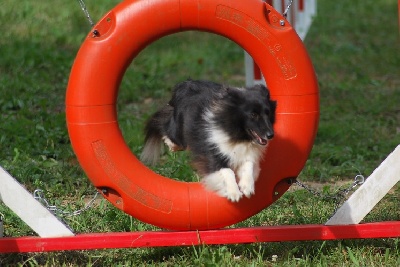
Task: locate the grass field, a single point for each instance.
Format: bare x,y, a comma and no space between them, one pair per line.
354,46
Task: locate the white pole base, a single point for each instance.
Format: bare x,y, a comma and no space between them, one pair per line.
370,192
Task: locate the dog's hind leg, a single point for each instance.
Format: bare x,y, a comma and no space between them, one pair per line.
223,182
171,145
154,131
247,174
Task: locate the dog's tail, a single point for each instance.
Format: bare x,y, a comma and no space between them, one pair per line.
153,146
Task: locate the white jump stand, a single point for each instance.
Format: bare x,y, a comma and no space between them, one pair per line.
378,184
25,206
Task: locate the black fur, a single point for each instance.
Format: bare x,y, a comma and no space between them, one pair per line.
245,115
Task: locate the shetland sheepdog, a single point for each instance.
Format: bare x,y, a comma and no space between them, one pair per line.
226,129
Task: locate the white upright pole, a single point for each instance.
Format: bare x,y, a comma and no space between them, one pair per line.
377,185
25,206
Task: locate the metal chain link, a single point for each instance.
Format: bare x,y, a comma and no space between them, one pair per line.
284,14
339,196
1,225
39,196
86,12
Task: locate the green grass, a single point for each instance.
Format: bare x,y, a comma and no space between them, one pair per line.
355,50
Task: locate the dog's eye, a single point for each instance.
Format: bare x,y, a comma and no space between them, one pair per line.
254,116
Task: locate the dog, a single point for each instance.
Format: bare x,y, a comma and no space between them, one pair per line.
226,129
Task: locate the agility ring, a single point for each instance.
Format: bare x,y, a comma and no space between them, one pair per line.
92,118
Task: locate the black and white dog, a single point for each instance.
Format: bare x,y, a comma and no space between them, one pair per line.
226,129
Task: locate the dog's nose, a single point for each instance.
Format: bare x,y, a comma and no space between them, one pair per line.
270,135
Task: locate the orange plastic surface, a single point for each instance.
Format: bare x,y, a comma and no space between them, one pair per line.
97,140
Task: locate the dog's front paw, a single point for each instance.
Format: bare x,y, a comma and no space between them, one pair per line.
233,194
223,182
231,190
246,178
247,187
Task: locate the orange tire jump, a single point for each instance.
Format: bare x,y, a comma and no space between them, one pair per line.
99,145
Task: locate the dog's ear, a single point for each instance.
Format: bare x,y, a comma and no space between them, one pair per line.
234,94
262,89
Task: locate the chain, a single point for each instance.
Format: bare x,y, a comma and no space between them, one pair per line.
39,196
284,14
339,196
1,225
86,12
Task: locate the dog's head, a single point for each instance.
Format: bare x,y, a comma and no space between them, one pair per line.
256,113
